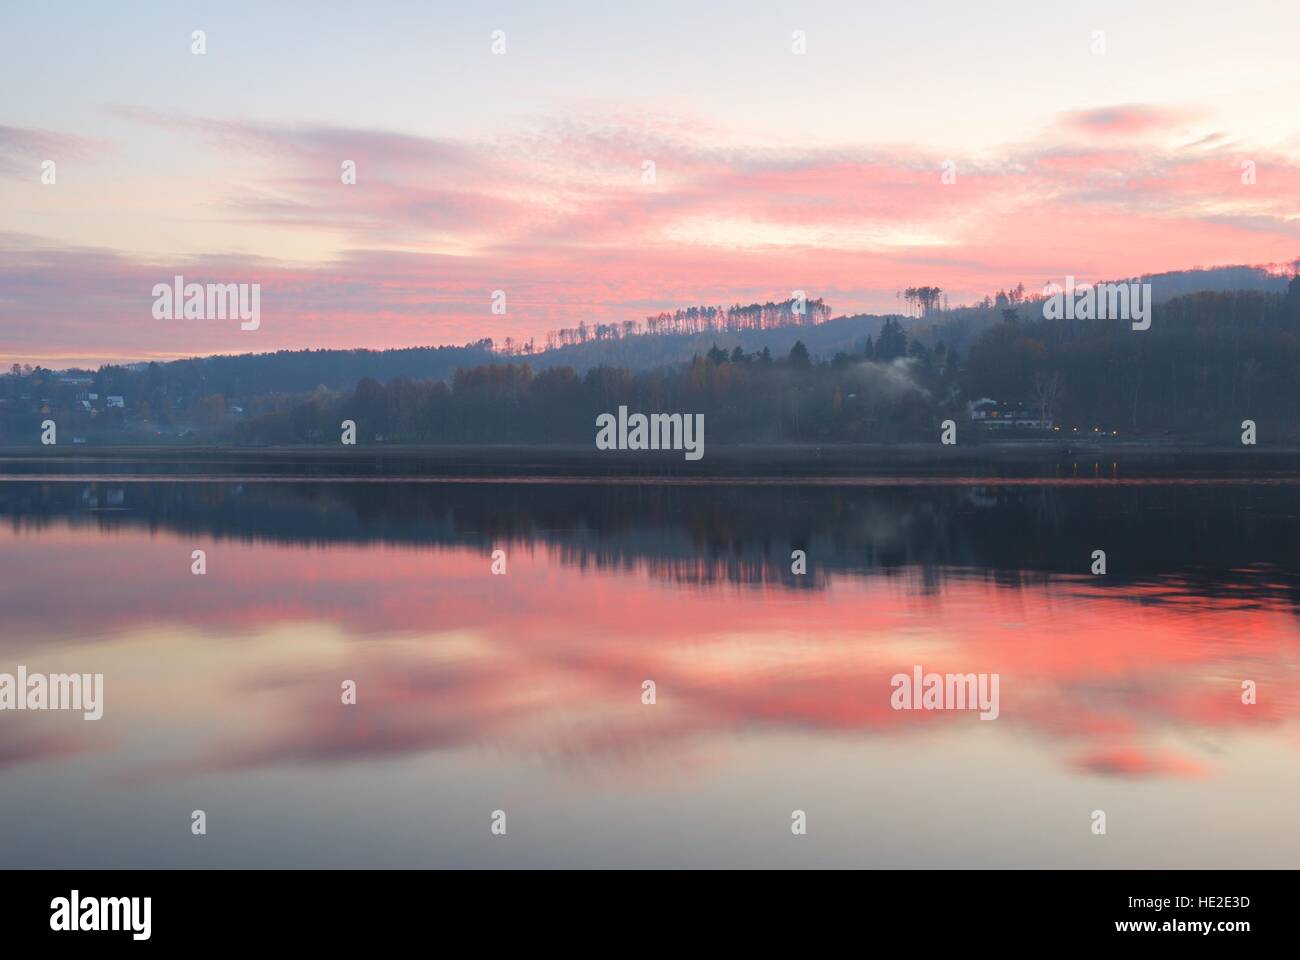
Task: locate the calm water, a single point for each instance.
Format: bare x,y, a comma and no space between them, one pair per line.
522,692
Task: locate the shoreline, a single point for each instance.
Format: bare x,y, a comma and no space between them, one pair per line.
1026,460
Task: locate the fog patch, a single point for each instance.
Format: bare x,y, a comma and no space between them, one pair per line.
890,380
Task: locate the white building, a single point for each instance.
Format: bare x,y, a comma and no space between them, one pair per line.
996,413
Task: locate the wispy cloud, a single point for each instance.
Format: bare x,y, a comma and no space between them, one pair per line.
22,150
559,215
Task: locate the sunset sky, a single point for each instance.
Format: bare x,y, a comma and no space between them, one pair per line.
522,172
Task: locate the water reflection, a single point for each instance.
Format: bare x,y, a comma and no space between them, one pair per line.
1134,678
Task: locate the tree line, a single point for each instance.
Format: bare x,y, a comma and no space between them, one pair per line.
1209,361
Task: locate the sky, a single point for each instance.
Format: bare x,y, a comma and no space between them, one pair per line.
943,144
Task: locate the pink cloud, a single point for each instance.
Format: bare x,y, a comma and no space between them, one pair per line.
24,149
1127,119
558,218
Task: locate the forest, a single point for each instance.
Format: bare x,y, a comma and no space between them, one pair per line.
1209,361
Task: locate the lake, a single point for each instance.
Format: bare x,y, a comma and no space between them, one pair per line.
522,691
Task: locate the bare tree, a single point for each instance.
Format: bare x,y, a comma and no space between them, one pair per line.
1045,388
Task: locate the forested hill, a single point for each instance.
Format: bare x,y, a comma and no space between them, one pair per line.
243,377
300,371
297,371
1207,363
651,350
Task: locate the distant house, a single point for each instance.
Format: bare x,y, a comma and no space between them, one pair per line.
998,413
